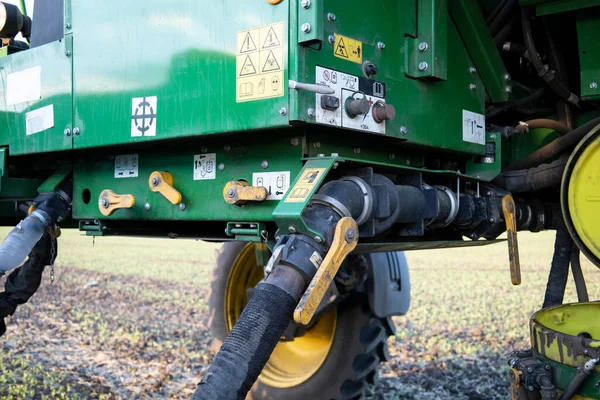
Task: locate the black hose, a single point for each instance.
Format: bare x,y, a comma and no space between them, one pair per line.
583,372
500,37
500,20
492,112
516,48
495,12
578,278
556,147
249,345
530,180
548,75
559,270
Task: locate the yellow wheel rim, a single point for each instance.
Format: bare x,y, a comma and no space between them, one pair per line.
292,363
584,196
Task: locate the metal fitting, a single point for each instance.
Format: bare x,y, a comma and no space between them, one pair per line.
350,235
230,192
423,66
331,39
472,70
305,4
282,111
67,132
147,207
403,130
593,86
305,27
104,202
76,131
182,206
155,181
380,45
221,167
508,89
472,86
331,17
292,229
68,53
264,164
295,142
423,46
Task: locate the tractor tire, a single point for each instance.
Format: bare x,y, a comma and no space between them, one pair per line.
345,347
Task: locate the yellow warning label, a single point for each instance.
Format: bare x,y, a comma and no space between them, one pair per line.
260,63
301,190
348,49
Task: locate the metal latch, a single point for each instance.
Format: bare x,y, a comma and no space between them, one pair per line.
240,192
162,182
109,202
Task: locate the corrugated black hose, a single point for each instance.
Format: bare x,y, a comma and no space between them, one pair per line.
559,270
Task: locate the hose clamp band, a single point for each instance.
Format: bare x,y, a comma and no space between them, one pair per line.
329,201
368,198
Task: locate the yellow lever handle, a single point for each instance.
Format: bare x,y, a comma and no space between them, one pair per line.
240,192
109,202
344,241
509,210
162,182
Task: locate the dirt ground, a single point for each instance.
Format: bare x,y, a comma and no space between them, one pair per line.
128,320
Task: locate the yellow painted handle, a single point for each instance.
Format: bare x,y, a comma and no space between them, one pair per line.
345,240
109,202
162,182
509,210
240,192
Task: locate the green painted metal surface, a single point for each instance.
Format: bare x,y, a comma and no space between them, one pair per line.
234,160
431,45
55,71
562,375
546,7
466,14
588,21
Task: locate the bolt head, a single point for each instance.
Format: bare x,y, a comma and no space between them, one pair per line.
230,192
331,39
68,53
392,156
295,142
317,145
305,4
547,367
529,369
403,130
423,46
305,27
507,77
147,207
76,131
423,66
67,132
264,164
203,149
492,220
357,150
380,45
292,229
282,111
311,113
593,85
227,147
493,136
472,70
104,202
182,206
331,17
530,388
508,89
318,239
472,86
350,235
221,167
67,26
155,181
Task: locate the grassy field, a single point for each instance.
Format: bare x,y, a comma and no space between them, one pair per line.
127,318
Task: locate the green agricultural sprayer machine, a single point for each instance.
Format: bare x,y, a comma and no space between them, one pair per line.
318,139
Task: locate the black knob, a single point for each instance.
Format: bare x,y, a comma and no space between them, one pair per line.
356,107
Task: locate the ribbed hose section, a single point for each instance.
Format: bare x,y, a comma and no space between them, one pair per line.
559,270
248,346
19,242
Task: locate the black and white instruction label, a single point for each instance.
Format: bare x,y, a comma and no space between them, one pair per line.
205,166
277,183
349,87
126,166
473,127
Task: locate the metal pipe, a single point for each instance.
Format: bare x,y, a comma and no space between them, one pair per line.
557,147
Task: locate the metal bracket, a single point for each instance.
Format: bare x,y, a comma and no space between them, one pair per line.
61,173
247,231
427,54
288,214
310,21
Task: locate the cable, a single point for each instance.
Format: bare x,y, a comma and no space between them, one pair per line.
578,278
493,111
544,72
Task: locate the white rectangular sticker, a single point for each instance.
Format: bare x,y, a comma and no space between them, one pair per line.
205,166
126,166
24,86
143,116
277,183
473,127
316,259
39,120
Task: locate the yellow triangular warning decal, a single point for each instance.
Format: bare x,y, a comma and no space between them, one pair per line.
340,50
271,40
248,44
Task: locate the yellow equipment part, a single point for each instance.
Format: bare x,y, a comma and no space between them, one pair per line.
294,362
582,184
109,202
162,182
240,192
509,210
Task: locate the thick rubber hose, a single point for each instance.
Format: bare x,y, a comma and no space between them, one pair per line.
248,346
559,270
530,180
21,240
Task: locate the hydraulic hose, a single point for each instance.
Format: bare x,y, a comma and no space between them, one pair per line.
543,123
559,270
580,286
530,180
499,22
544,72
253,338
49,209
496,110
555,148
583,373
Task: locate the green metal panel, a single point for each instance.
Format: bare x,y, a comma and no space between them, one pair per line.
55,68
414,99
203,199
588,25
183,53
466,14
431,45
